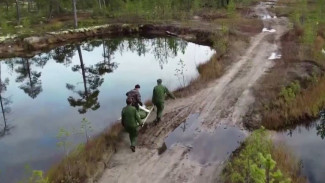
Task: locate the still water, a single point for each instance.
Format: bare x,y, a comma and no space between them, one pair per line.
57,89
308,144
206,148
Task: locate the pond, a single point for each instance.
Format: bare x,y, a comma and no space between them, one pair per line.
308,145
59,88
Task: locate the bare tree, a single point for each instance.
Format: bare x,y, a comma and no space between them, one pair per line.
74,4
18,11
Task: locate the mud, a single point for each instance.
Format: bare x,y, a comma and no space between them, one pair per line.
213,121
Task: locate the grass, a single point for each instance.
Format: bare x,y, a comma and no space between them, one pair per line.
258,159
305,105
85,162
287,162
301,45
208,71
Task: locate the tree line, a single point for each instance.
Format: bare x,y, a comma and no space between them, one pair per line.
34,11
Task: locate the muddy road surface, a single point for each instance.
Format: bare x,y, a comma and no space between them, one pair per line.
197,149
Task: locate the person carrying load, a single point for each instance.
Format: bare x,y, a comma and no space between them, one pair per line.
131,121
135,96
158,98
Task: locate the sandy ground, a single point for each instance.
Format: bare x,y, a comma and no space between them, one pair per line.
221,105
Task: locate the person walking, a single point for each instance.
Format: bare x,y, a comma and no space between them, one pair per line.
135,96
158,98
130,121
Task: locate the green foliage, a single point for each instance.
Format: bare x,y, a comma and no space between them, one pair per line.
180,73
33,12
254,162
85,128
221,41
231,8
34,176
290,92
26,23
63,138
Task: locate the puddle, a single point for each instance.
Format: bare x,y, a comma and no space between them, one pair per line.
217,146
268,30
274,56
308,144
185,132
205,148
265,17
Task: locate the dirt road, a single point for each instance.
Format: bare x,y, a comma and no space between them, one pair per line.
197,149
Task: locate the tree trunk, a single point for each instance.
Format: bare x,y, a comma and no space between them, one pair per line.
100,4
82,69
28,5
2,107
50,11
104,51
74,3
104,2
29,75
7,5
18,12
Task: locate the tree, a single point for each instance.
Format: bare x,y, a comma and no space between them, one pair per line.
4,102
17,11
74,4
30,79
92,80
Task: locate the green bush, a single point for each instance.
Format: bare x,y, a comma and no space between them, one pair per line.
290,92
254,162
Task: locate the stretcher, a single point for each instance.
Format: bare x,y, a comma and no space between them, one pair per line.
145,113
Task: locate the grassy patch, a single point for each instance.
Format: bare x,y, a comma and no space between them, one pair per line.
302,55
258,160
291,107
84,162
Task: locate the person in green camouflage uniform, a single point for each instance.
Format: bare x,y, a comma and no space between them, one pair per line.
158,98
130,121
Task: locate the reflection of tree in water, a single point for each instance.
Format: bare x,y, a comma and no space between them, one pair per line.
165,48
32,84
162,49
321,126
4,103
92,80
63,54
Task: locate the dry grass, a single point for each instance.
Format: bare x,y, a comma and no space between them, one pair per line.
208,71
287,163
306,105
301,61
86,162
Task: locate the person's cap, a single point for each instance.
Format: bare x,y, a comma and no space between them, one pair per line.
159,81
137,86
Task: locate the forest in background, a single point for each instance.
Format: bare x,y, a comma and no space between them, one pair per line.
16,14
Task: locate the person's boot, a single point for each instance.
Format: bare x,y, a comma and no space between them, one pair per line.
157,120
132,148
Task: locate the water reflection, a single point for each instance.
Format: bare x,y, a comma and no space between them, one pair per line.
307,142
91,78
4,103
31,83
51,89
321,126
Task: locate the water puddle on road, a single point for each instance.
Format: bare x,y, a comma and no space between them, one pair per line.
205,148
308,144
